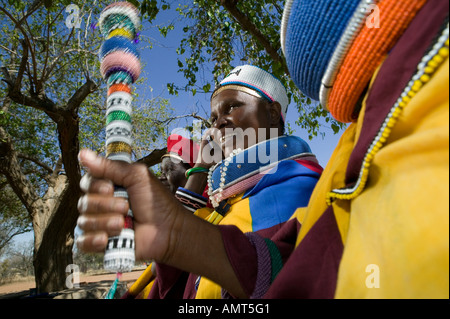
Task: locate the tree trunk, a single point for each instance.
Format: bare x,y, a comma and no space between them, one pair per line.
54,242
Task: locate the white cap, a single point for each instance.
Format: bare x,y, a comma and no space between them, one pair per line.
262,82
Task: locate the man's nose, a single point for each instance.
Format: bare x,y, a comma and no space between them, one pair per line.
221,122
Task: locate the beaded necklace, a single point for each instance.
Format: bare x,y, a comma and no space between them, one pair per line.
243,169
223,173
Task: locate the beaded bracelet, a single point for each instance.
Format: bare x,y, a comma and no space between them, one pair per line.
195,170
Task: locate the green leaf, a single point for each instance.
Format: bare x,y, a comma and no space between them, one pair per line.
207,87
335,128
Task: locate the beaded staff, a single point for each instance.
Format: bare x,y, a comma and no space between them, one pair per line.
120,67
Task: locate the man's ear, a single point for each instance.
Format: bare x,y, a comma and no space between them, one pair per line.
275,114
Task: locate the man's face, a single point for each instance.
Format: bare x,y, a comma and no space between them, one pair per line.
173,174
237,118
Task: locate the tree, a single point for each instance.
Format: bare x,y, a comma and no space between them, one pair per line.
52,103
225,33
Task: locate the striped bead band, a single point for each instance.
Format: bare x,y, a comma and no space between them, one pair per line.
119,101
125,4
121,192
119,77
121,32
118,15
123,60
119,88
118,116
117,130
123,157
118,147
117,44
119,253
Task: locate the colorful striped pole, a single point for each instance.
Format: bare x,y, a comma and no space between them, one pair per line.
120,67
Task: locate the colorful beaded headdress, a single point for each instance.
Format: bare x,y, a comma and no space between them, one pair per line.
256,81
335,59
311,30
120,67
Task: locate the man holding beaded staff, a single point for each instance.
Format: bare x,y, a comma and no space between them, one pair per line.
383,198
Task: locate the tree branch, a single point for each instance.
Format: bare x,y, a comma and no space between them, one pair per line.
36,161
80,95
10,167
23,65
231,7
153,158
44,104
18,25
194,115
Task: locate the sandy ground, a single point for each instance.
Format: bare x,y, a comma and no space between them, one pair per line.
26,285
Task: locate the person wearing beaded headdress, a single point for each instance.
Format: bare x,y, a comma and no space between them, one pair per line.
377,225
181,156
241,183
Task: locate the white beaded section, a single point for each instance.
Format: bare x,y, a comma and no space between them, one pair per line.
353,28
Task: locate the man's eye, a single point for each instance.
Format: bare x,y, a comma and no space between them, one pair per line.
232,108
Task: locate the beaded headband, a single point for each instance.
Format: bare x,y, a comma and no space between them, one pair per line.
237,88
171,155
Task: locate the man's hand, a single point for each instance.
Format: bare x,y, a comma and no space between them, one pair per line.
156,212
164,230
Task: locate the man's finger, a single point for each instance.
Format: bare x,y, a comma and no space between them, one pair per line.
93,242
102,168
93,204
92,185
118,172
112,224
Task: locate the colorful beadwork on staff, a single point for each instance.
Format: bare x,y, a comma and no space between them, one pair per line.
120,68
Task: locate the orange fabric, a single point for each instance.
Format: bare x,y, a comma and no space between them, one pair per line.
367,52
